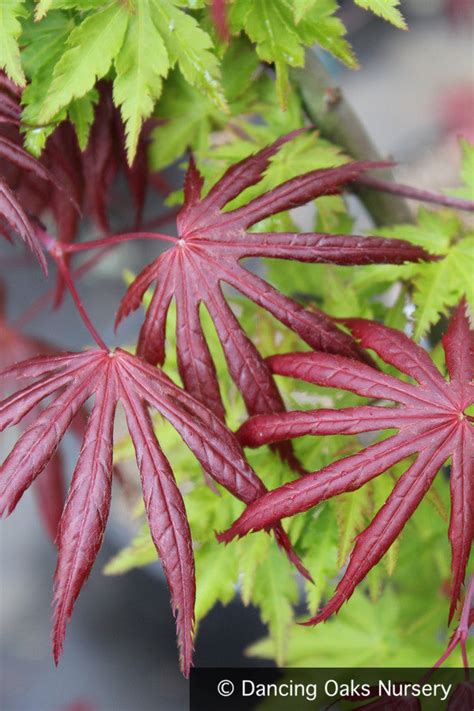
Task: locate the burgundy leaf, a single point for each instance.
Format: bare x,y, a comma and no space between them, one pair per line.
431,423
49,493
100,161
17,155
207,254
17,219
70,380
87,507
166,515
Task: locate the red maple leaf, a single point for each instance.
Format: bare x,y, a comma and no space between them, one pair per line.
207,253
49,489
30,187
431,422
71,379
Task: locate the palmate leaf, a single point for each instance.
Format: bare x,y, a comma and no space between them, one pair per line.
92,46
140,64
207,252
431,421
49,490
271,25
11,210
136,42
71,379
436,287
10,29
388,9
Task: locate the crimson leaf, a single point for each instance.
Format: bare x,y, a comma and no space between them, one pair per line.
431,422
49,489
207,253
110,378
10,208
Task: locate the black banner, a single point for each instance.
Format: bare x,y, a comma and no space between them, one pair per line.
267,689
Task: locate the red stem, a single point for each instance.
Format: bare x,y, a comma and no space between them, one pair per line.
407,191
66,274
31,312
115,239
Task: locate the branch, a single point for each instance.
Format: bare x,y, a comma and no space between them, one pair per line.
415,194
334,117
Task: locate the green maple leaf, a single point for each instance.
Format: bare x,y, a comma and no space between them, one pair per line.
274,593
88,56
270,24
301,7
189,119
436,286
42,8
318,544
216,577
44,46
140,65
81,113
190,47
387,9
11,11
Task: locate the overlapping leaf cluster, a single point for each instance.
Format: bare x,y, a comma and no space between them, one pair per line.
199,71
67,46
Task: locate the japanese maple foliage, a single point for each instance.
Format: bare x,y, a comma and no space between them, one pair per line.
207,253
432,423
65,181
49,489
113,377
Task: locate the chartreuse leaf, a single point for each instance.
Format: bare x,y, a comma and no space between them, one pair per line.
45,44
319,541
11,11
90,50
42,8
216,576
301,7
141,64
350,512
81,113
270,24
387,9
189,46
250,559
188,120
275,592
358,624
436,286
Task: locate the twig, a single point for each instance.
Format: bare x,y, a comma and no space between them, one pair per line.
327,108
415,194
